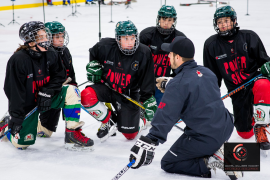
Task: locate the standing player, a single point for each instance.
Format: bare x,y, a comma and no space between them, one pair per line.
34,77
127,66
208,122
235,56
163,32
49,119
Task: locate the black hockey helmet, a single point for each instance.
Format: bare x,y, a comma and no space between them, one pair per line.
29,33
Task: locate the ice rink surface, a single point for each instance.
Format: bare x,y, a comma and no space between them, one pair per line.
47,159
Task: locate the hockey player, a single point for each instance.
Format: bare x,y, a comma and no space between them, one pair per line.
208,122
163,32
34,77
235,56
49,119
127,66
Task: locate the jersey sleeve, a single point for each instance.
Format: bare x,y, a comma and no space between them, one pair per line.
145,38
210,63
94,52
258,50
168,112
72,72
57,74
14,87
147,78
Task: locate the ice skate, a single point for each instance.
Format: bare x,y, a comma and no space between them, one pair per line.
106,130
217,161
75,140
261,137
4,123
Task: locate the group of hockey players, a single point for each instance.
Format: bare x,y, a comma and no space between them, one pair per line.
151,77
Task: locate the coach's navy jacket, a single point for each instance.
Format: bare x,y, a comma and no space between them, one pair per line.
193,95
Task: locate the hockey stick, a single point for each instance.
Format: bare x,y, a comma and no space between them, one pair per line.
83,83
124,170
32,111
240,88
125,96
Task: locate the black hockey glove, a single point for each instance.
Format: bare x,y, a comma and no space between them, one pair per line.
142,152
15,124
44,99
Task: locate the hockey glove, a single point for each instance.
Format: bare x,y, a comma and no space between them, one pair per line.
265,69
44,99
142,152
94,71
15,124
162,83
150,106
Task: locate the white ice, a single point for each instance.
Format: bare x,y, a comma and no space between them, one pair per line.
48,159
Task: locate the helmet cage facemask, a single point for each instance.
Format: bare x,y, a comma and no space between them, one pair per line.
66,41
165,31
127,51
228,32
34,37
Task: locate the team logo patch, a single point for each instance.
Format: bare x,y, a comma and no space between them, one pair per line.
77,91
30,75
96,113
221,56
29,137
245,47
153,47
232,50
108,62
39,71
259,114
199,73
119,64
135,66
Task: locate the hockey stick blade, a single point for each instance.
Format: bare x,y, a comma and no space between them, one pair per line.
124,170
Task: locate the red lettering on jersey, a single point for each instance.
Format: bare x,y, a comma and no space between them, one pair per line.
226,67
159,71
232,66
117,77
161,105
108,73
243,77
123,78
128,78
234,79
238,77
112,76
243,62
164,59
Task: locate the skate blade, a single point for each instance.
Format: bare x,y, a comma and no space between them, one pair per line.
112,131
75,147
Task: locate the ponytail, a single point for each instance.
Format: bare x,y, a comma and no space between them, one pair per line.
21,47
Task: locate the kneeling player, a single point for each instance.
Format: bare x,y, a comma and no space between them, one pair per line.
208,122
127,66
49,119
236,55
34,77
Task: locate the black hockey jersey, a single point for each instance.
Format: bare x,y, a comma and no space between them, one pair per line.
235,59
128,74
66,58
25,75
152,38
